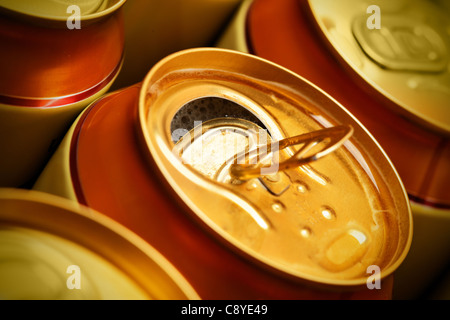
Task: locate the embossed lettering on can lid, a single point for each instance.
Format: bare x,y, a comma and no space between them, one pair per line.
325,220
405,58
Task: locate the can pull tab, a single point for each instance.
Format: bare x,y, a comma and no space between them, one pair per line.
324,141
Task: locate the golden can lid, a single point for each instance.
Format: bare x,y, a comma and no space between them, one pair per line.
400,48
55,249
61,9
274,167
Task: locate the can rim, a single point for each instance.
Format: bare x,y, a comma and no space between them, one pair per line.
236,245
57,19
89,215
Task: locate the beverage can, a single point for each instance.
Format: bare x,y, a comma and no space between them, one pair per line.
252,181
155,29
56,58
56,249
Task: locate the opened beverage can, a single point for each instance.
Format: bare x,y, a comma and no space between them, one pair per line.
388,64
55,249
56,58
254,183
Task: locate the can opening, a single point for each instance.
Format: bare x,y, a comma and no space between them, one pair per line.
208,108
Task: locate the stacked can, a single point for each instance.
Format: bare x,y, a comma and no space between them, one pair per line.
53,249
56,58
155,29
388,64
251,181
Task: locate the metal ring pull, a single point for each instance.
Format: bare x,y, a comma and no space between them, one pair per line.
333,137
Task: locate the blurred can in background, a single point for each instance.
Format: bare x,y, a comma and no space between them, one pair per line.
56,58
388,64
154,29
154,157
55,249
